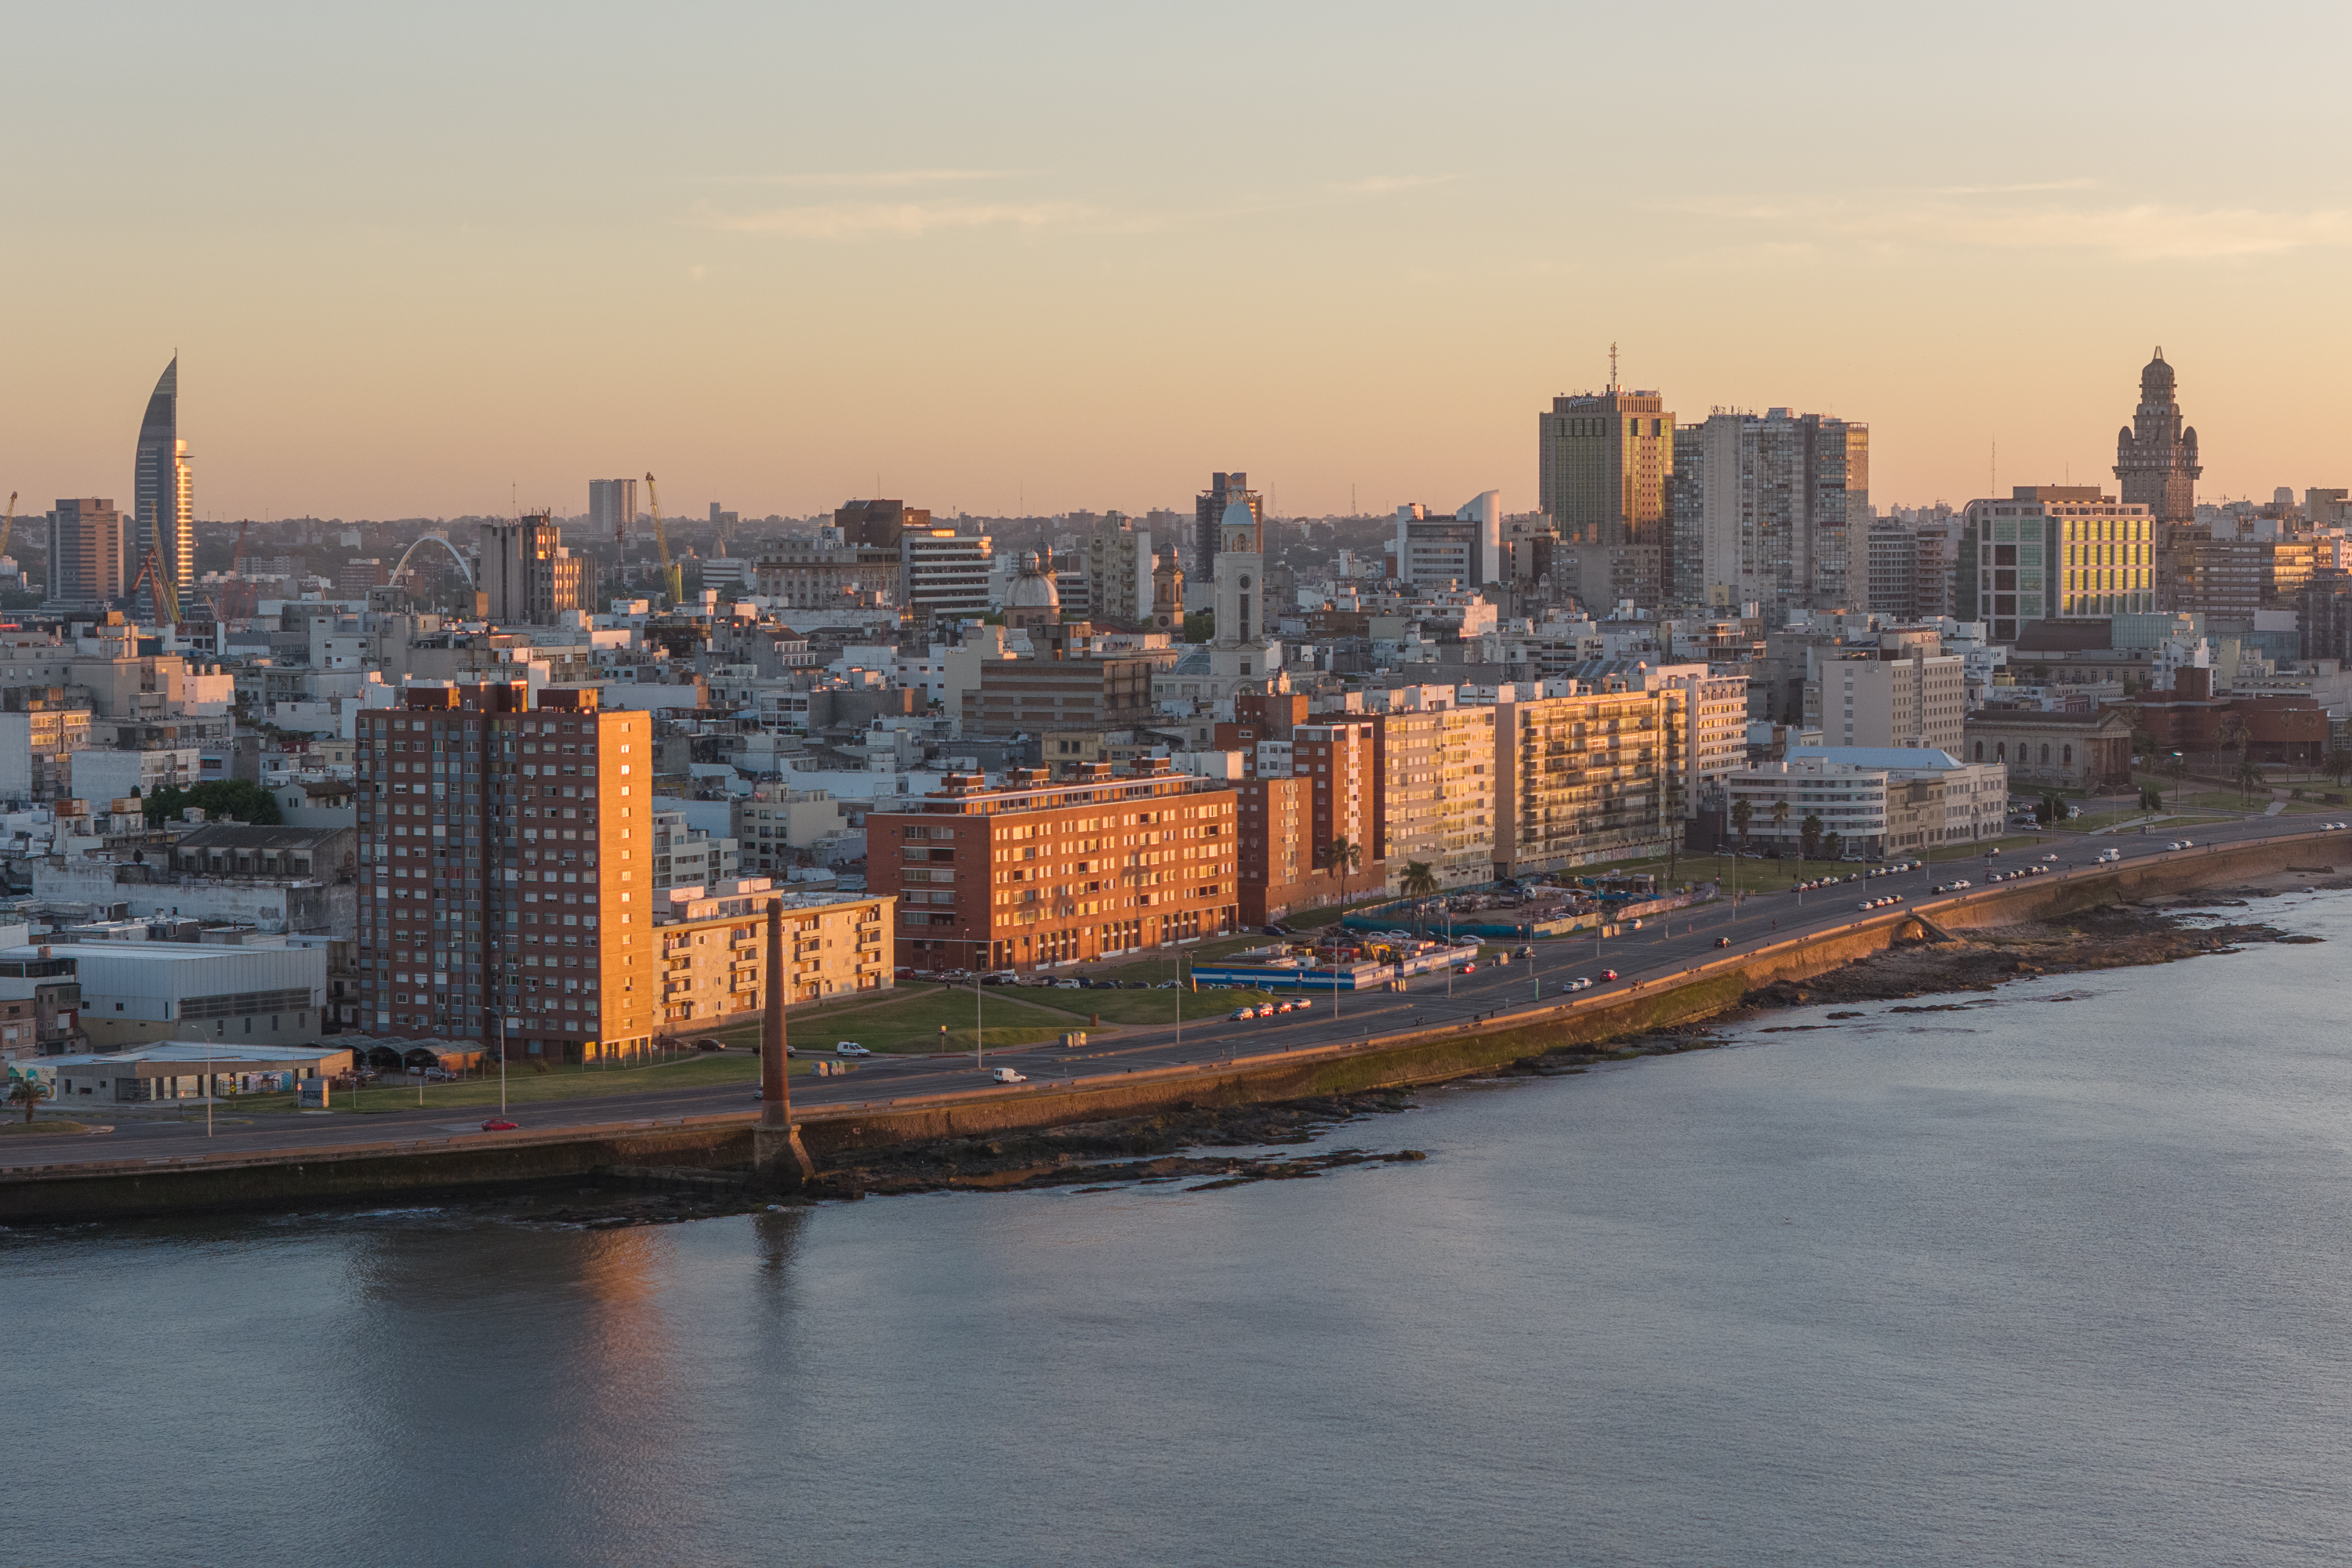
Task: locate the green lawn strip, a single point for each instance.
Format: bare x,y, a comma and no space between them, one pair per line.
523,1087
20,1129
1145,1008
912,1024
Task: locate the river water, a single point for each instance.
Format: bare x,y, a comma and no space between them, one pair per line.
2051,1281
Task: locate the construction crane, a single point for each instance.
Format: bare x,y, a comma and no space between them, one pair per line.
673,577
167,597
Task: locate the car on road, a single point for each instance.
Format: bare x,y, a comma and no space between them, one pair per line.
1525,952
1069,984
1993,851
1607,974
2188,844
1006,1075
709,1044
2175,844
852,1048
1949,886
1241,1014
1723,942
1469,969
500,1124
2049,857
1581,983
2107,856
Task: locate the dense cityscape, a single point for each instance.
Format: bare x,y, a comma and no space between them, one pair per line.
906,786
1705,636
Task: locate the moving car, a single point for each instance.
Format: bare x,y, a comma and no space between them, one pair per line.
1723,942
1607,974
1006,1075
1240,1015
500,1124
1526,952
2106,856
852,1048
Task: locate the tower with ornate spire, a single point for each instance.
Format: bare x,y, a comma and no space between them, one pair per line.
2156,455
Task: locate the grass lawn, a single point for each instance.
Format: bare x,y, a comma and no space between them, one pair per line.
912,1022
1148,1007
22,1128
524,1087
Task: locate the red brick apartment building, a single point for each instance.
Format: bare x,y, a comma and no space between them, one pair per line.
1287,824
1032,872
503,870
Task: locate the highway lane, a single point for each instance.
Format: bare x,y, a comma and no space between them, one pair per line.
1660,950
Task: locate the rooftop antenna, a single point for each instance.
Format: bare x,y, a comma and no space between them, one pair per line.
1612,367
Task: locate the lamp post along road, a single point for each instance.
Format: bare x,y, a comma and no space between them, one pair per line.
776,1152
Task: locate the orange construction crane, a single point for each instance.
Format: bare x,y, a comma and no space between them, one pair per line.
673,577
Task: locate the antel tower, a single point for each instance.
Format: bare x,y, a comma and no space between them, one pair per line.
163,489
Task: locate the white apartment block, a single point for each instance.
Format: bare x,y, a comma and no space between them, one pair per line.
1920,700
1439,785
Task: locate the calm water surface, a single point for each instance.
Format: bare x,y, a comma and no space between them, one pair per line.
2051,1281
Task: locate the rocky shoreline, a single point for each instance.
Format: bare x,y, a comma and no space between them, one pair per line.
1170,1148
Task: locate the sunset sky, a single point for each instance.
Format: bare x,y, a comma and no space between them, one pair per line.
417,260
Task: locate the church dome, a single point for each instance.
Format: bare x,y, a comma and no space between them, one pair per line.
1031,590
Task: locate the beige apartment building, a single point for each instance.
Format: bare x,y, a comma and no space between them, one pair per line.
713,952
1893,697
1592,777
1438,776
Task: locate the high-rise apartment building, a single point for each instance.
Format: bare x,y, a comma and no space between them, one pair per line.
1030,873
1208,509
504,870
1903,695
1437,767
1339,758
2156,453
1437,550
1772,510
527,575
611,509
942,575
1588,777
1119,566
1894,571
2052,551
1603,461
87,565
163,495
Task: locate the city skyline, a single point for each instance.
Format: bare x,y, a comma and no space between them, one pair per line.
982,311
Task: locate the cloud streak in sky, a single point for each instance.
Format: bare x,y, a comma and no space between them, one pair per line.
907,220
1983,218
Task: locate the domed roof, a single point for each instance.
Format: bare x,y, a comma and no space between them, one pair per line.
1033,590
1238,514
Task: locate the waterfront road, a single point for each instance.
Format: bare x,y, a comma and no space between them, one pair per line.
1661,950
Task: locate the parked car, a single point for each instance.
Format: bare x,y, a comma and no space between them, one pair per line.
1006,1075
852,1048
709,1044
1070,984
500,1124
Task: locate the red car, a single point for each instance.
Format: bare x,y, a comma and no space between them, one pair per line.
1607,974
500,1124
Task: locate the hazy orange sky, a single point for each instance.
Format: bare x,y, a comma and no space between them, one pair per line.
418,258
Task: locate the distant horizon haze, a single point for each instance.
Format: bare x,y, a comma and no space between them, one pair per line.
440,261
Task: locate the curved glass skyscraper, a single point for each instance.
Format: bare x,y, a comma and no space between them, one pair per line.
164,491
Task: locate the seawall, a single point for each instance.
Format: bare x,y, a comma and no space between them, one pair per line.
281,1177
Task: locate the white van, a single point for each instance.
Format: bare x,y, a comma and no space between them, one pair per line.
2107,854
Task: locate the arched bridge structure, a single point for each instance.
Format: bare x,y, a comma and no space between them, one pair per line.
463,570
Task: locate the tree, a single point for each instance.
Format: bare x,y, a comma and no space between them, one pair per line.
232,800
2336,763
1742,815
1780,821
1341,857
1418,883
1831,845
28,1092
1809,838
2249,775
1200,626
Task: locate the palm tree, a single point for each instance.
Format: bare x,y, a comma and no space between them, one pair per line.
2249,775
1779,820
1419,883
1742,815
28,1092
1341,857
1808,840
2336,763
